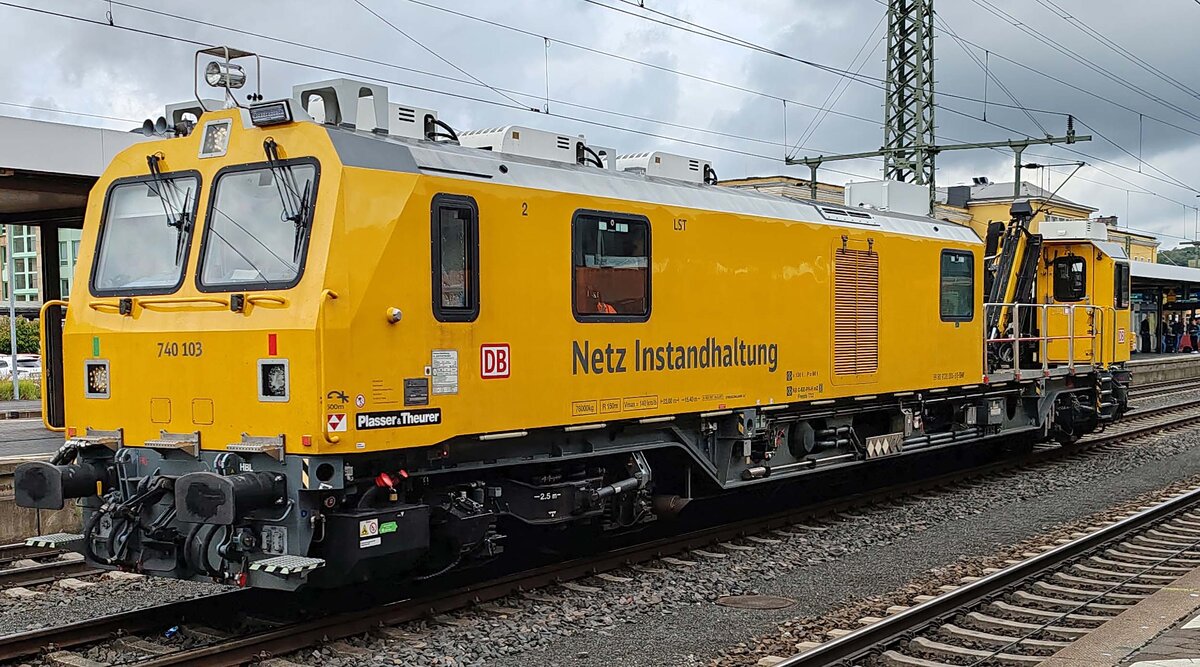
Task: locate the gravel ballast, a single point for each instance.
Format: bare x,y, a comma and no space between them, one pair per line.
665,613
55,605
667,616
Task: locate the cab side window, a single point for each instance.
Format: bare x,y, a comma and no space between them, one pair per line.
455,242
958,286
611,267
1121,289
1070,278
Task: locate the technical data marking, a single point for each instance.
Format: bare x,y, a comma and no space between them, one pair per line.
443,369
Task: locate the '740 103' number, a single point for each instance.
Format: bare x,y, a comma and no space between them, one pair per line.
186,349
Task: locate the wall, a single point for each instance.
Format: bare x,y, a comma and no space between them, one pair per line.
984,212
18,523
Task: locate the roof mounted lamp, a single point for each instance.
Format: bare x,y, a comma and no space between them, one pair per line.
224,73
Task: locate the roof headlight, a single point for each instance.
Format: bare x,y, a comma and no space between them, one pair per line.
224,75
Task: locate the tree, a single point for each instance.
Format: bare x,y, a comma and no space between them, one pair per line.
28,336
1181,256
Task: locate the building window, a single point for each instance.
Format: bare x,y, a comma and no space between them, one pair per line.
25,264
455,235
1121,289
1070,278
958,286
611,257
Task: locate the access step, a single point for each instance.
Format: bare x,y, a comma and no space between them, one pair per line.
287,565
54,540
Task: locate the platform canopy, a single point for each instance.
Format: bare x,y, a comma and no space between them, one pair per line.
47,169
1148,273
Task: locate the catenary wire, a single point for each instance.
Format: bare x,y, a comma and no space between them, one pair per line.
1080,59
185,40
404,84
697,29
835,95
1110,44
432,52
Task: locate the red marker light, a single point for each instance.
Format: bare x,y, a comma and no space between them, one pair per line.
71,431
404,473
306,440
272,344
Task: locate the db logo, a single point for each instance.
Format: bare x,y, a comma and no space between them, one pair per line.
494,361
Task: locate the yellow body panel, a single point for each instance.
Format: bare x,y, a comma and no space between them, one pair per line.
1101,330
714,276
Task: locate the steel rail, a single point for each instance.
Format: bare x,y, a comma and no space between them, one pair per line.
44,573
290,638
106,627
1165,387
293,637
900,626
12,552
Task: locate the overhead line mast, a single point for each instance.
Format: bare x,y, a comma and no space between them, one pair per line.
908,129
910,147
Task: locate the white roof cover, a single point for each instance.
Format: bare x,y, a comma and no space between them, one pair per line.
1152,271
59,148
1111,249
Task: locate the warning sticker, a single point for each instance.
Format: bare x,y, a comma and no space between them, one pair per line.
368,528
336,423
444,369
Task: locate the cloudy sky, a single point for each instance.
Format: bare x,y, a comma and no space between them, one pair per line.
623,77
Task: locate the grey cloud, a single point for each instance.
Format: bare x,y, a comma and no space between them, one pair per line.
103,70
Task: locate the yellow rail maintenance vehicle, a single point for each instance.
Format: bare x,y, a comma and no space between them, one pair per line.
316,351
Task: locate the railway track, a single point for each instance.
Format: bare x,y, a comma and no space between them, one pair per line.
1024,613
10,553
282,639
22,565
1165,387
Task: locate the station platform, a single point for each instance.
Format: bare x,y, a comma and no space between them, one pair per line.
1152,368
1163,630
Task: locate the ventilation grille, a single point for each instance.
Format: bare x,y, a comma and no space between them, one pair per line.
406,115
856,312
564,143
847,215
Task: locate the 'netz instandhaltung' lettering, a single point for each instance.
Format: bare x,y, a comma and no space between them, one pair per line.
587,358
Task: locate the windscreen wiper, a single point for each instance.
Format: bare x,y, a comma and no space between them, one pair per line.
295,203
178,213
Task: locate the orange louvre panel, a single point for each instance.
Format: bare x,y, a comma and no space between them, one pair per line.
856,312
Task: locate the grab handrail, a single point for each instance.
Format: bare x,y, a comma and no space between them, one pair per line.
45,370
326,295
149,302
256,299
1096,338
